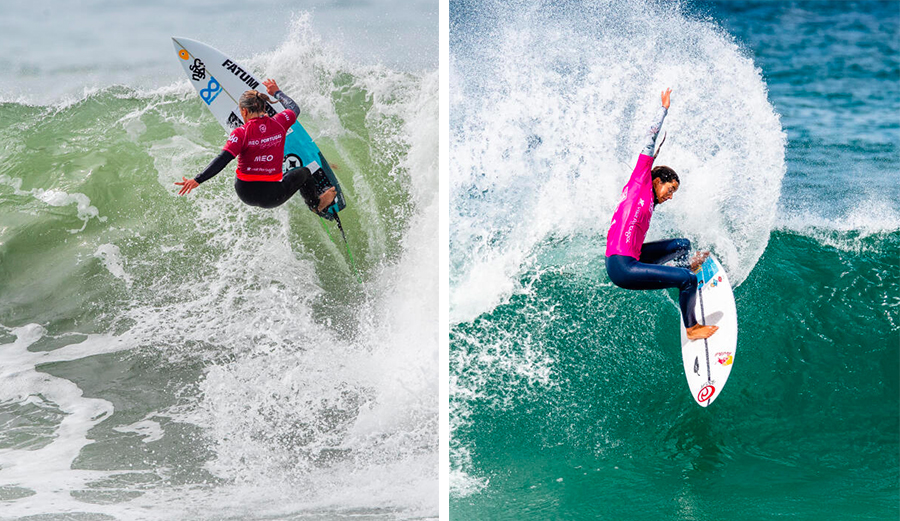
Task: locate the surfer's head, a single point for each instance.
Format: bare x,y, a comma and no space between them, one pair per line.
665,183
253,104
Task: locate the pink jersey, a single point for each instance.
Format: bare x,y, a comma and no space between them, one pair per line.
259,146
632,218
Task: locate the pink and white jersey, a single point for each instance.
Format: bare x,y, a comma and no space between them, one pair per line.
632,218
259,146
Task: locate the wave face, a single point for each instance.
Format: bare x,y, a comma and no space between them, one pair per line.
549,109
172,358
567,396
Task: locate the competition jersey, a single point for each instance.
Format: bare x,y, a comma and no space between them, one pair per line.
259,146
632,218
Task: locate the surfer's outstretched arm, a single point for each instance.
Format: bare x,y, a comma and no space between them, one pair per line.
653,131
213,168
286,102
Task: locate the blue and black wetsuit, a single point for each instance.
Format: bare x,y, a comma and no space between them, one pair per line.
648,273
630,270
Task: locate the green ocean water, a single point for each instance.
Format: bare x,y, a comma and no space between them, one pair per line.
166,357
591,417
568,397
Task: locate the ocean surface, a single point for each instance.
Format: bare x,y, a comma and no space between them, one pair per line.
174,358
568,398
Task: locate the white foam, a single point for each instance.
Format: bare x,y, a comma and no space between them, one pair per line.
111,258
550,107
304,409
846,232
549,132
58,198
148,429
48,470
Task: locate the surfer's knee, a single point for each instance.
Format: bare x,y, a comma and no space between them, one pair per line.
683,244
616,271
689,282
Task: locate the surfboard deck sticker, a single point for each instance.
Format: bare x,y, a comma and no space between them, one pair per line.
708,362
220,81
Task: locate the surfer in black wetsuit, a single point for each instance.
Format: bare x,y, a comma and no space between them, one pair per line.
259,146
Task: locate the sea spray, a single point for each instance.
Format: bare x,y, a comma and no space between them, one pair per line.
550,107
556,105
258,377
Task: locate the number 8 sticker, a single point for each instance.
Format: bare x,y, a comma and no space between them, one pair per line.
211,91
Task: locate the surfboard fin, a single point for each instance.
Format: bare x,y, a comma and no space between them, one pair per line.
344,236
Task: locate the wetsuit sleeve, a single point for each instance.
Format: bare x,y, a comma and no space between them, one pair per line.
653,132
289,105
215,166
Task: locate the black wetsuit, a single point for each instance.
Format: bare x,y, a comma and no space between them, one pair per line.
268,194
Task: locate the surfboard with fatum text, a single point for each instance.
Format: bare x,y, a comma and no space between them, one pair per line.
708,362
220,82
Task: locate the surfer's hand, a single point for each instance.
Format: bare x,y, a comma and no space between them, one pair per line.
698,259
271,86
665,98
186,185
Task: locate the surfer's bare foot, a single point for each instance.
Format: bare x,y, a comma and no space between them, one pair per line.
697,332
327,198
698,259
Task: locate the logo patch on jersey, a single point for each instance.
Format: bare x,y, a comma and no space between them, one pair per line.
262,128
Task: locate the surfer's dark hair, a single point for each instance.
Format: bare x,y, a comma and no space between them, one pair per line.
254,101
664,174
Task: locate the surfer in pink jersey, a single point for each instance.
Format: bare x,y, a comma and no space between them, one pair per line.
259,146
633,264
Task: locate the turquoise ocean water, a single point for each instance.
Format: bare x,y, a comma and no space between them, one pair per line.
568,399
195,358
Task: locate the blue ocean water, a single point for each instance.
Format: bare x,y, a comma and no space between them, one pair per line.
568,399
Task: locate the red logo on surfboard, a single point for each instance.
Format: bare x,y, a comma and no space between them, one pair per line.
705,393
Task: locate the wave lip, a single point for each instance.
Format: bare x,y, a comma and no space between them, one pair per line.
555,106
276,384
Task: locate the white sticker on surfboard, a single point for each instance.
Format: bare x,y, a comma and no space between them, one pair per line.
211,74
708,362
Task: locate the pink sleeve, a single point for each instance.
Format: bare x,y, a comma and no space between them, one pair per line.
641,171
287,117
235,141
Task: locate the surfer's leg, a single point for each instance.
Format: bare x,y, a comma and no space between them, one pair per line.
301,180
626,272
262,194
661,252
265,194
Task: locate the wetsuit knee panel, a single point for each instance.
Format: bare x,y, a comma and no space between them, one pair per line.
690,281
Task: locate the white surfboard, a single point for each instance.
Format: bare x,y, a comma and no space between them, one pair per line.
708,362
